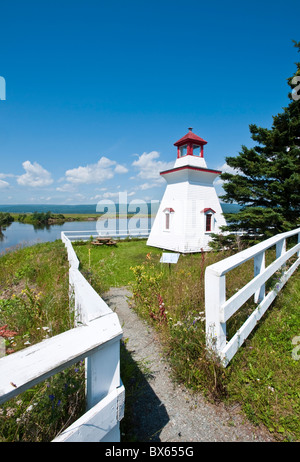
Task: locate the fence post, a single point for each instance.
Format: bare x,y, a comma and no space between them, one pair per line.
280,248
259,267
102,372
215,295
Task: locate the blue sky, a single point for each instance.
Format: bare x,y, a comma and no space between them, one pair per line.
97,92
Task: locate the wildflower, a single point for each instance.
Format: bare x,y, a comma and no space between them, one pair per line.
4,332
10,412
31,407
52,397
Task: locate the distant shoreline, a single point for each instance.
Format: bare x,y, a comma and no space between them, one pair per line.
84,216
63,214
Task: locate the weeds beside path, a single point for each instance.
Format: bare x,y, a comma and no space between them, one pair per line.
161,409
263,377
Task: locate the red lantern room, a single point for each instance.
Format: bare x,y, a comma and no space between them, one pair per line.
190,145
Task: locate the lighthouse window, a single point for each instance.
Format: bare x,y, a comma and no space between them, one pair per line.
168,211
196,150
208,222
167,221
183,150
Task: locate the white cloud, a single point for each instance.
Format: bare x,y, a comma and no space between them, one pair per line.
109,195
103,170
121,169
35,176
6,175
225,168
66,188
3,184
150,168
147,186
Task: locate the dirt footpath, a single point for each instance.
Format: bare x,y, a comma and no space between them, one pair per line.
168,412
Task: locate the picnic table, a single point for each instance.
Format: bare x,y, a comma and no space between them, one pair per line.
103,241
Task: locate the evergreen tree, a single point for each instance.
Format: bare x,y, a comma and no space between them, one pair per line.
267,177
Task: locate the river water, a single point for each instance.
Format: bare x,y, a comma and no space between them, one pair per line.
24,234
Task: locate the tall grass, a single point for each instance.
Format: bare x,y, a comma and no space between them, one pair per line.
34,305
263,377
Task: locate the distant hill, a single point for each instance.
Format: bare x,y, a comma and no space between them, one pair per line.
230,208
86,209
78,209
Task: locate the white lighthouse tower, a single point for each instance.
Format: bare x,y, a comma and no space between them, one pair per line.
190,210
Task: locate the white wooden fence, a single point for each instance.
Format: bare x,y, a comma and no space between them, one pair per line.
119,234
96,338
218,310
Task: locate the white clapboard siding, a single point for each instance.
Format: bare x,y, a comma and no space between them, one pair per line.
218,310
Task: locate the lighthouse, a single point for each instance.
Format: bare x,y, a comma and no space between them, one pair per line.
190,210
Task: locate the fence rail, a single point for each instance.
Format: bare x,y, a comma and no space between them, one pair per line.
114,233
218,310
96,338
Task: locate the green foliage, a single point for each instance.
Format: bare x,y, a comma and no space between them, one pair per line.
263,377
110,266
267,177
40,218
34,298
5,219
34,305
42,412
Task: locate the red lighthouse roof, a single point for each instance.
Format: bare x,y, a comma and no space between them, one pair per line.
190,136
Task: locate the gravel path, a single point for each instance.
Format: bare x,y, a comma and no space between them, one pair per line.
166,411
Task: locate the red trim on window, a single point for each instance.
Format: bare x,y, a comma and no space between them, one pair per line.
207,209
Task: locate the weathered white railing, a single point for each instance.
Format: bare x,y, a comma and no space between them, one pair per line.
96,338
119,234
218,310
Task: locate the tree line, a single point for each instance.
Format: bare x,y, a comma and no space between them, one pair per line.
265,179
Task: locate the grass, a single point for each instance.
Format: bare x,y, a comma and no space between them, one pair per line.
263,378
264,375
34,305
111,265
